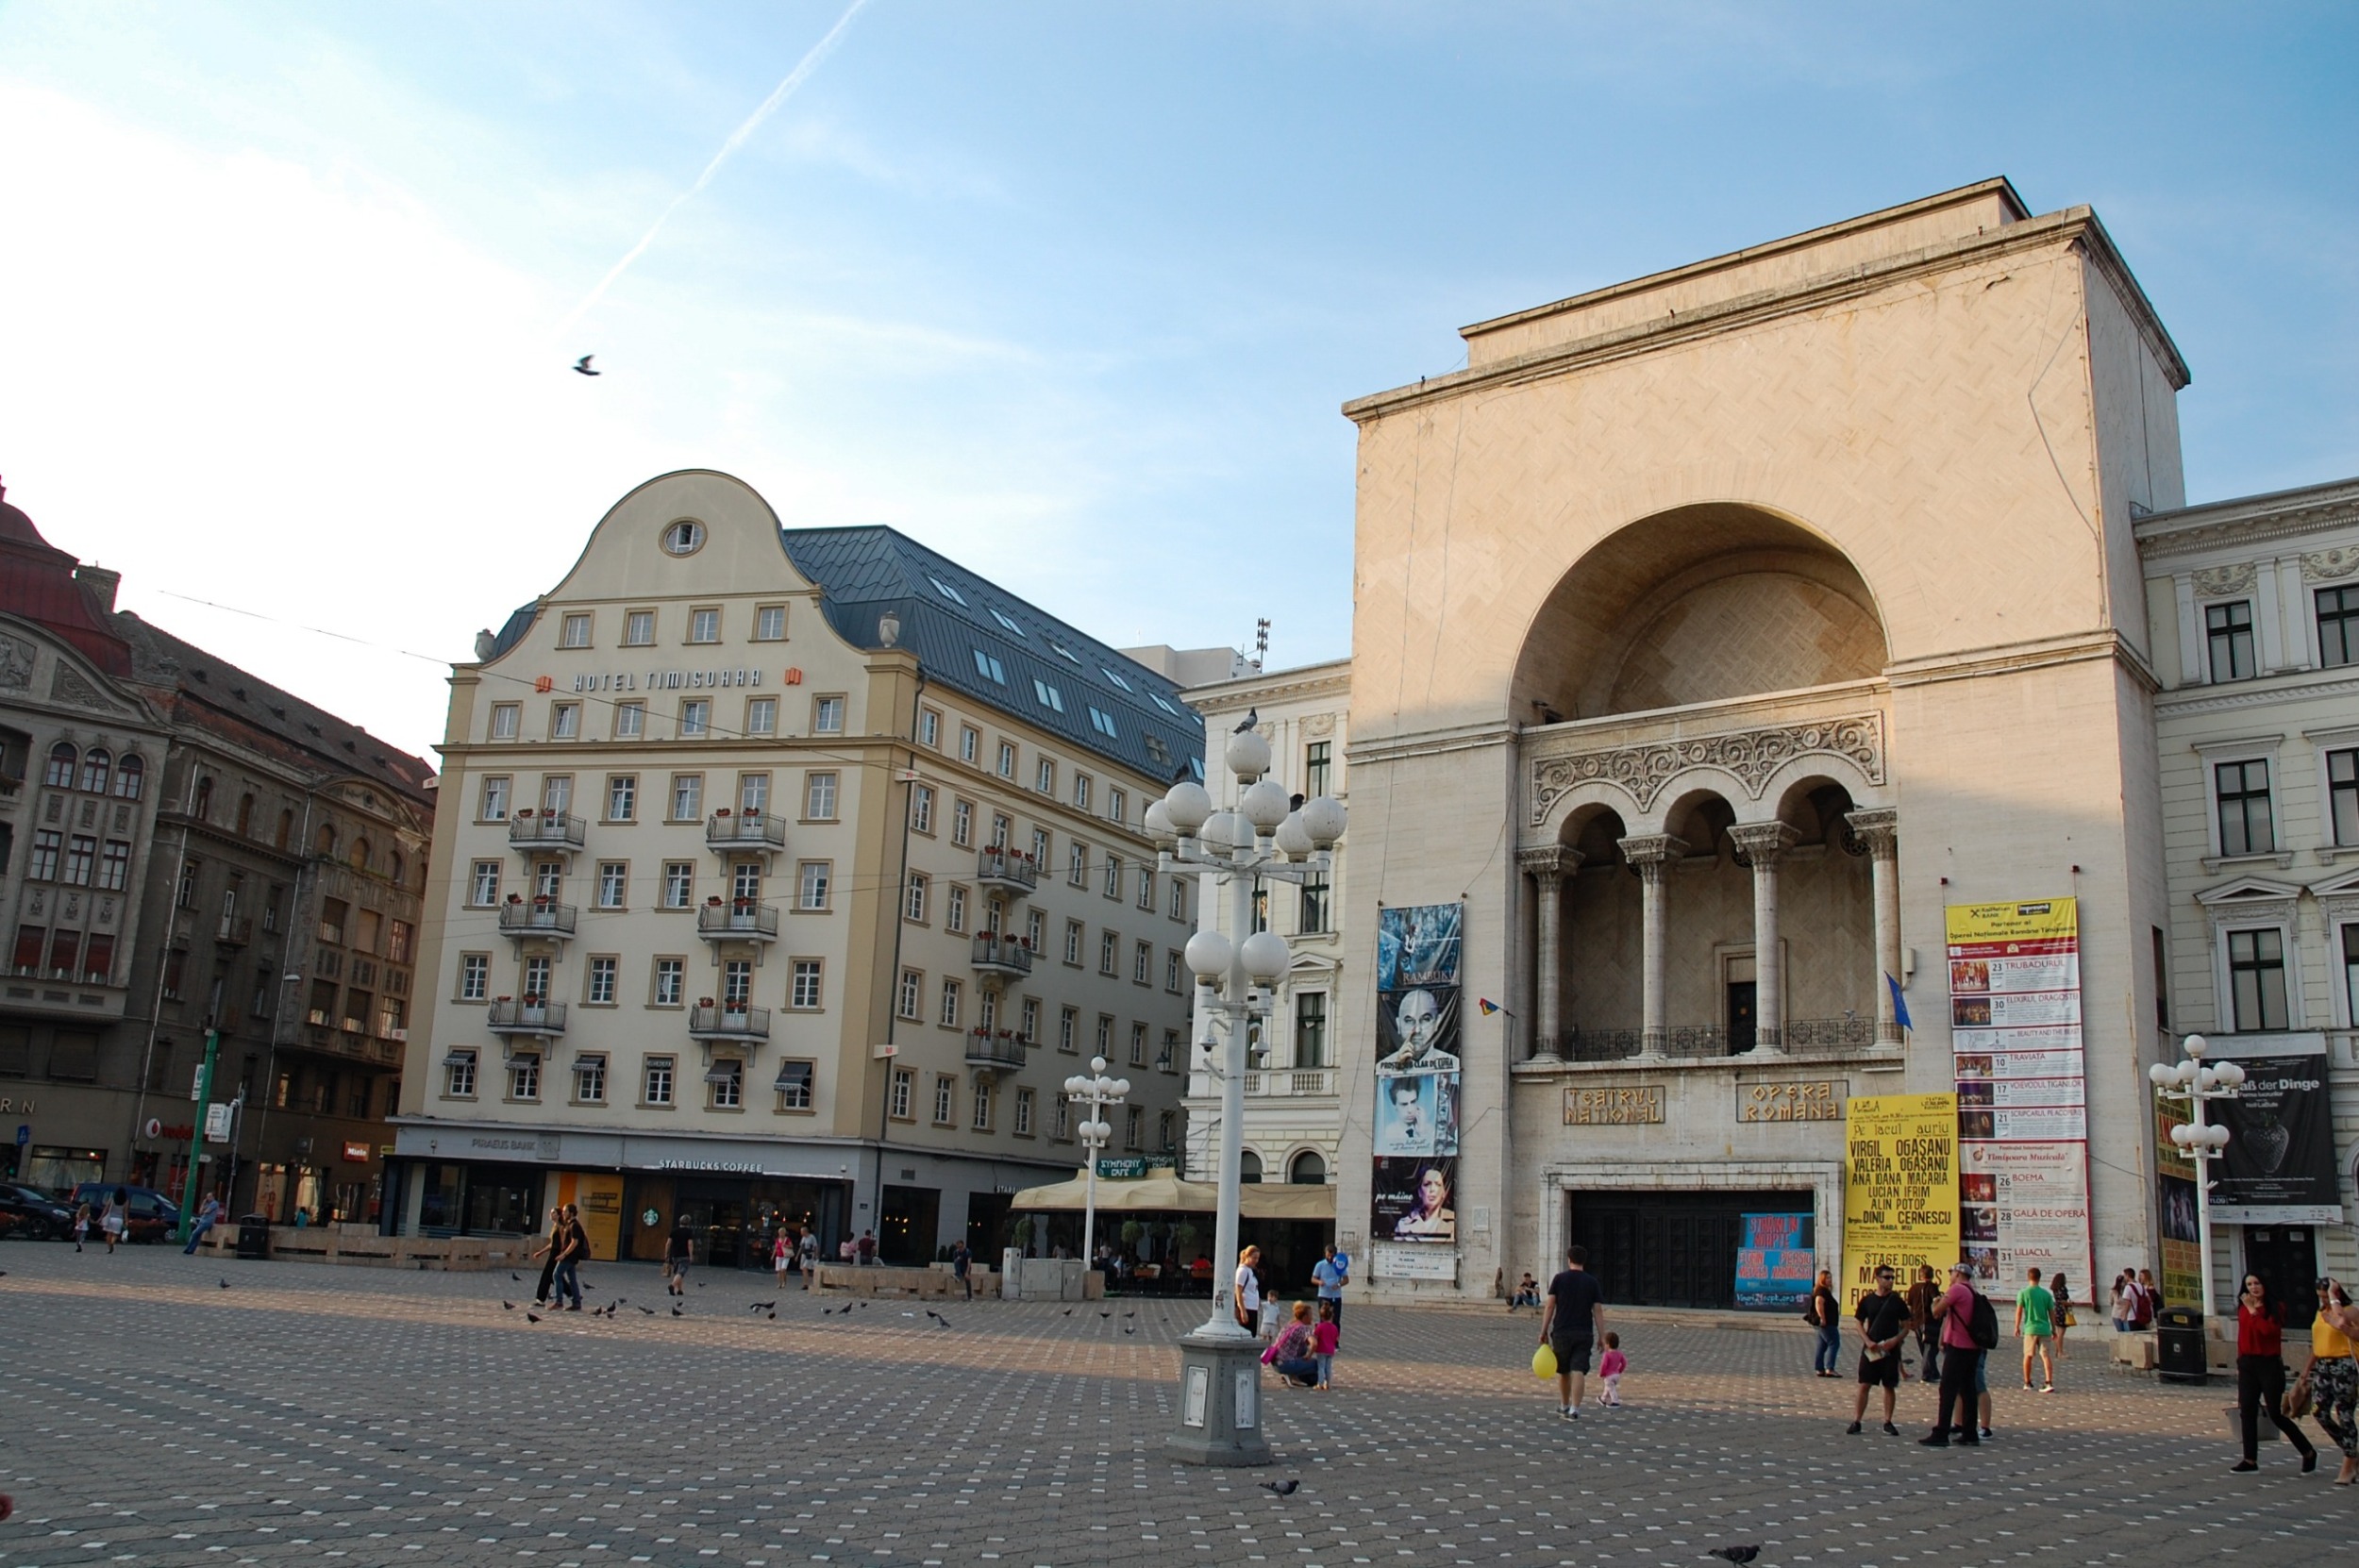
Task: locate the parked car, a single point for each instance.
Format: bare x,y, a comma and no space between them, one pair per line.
154,1216
36,1215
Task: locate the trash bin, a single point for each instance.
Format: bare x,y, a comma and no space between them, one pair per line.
254,1237
2179,1355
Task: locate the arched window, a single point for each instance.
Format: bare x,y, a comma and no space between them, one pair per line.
97,763
1248,1166
1307,1170
245,816
286,828
203,797
324,842
130,777
359,853
59,774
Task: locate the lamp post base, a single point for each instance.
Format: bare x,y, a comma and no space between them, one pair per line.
1220,1403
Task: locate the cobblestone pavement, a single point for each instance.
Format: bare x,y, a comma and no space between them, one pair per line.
307,1413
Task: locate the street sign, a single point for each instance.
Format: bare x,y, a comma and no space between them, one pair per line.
24,1135
217,1123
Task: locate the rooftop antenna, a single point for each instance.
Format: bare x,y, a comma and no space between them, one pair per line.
1261,642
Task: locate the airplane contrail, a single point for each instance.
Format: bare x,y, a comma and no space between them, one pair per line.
738,138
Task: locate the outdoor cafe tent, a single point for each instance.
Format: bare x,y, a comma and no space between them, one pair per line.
1163,1192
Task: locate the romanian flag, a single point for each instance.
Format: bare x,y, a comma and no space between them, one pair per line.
1489,1007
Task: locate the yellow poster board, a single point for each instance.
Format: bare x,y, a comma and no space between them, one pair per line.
2038,920
1899,1188
600,1198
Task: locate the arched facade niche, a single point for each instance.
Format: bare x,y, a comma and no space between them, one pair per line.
1827,907
1701,604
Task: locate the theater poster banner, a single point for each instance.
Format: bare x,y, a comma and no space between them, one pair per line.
1899,1187
2014,1032
1414,1219
2182,1232
2279,1167
1775,1263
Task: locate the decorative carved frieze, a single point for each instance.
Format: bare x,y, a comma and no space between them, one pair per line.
2328,565
2217,582
16,663
67,685
1752,756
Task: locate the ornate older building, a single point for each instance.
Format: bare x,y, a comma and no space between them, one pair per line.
1715,634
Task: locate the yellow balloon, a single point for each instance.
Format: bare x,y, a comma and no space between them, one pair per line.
1544,1363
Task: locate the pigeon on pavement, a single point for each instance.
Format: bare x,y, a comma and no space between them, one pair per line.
1281,1489
1739,1555
532,1317
507,1305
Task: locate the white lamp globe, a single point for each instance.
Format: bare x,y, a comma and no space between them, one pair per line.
1323,817
1246,753
2230,1074
1157,824
2206,1079
1294,840
2162,1074
2216,1136
1097,1065
2193,1045
1185,807
1121,1089
1265,956
1228,831
1077,1085
2183,1135
1265,804
1207,955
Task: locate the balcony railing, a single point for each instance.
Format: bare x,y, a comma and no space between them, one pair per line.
538,920
729,1021
544,830
738,921
526,1017
1008,870
998,953
234,931
1803,1037
1001,1052
744,831
1291,1081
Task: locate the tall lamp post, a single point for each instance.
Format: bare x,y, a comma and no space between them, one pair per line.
2195,1083
1097,1092
1267,839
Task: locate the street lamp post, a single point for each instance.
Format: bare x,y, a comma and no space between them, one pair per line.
2203,1144
1097,1092
1270,837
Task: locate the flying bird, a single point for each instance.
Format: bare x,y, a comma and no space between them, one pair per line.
581,366
1252,717
1738,1555
1281,1489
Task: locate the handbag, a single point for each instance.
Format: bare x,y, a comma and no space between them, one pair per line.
2296,1402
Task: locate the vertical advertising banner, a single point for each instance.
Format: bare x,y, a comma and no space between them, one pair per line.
2015,1028
2182,1280
1414,1209
1899,1188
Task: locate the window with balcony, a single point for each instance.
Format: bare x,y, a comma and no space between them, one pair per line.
737,984
2228,634
2338,624
671,982
548,880
812,884
655,1080
475,976
2241,790
2256,979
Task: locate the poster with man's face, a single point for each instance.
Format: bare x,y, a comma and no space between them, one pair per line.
1415,1200
1416,1113
1417,1031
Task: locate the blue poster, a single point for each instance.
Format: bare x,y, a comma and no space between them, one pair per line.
1775,1263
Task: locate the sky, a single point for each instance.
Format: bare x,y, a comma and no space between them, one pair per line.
1071,292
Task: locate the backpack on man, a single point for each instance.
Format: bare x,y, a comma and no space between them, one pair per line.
1982,1323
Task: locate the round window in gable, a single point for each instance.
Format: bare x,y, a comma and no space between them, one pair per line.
683,538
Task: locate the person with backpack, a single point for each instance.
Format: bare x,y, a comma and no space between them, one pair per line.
1970,1328
1824,1312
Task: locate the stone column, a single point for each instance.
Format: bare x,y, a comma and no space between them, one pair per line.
1880,829
1548,869
1652,853
1762,842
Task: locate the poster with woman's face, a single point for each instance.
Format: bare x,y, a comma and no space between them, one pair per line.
1414,1200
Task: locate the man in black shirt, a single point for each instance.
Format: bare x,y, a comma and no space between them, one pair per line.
1570,1324
1883,1323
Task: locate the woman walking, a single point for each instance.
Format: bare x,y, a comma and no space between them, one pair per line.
2062,1293
2331,1379
1825,1315
2261,1376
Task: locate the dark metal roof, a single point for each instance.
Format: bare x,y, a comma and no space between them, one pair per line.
949,615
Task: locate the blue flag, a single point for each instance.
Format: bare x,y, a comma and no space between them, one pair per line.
1900,1004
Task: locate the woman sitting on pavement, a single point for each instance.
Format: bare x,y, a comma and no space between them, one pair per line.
1290,1353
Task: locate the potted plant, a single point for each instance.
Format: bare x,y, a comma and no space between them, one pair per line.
722,813
704,1001
714,902
515,898
525,813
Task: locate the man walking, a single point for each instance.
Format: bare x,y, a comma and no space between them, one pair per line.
1570,1326
1961,1358
959,1260
1883,1323
2035,1320
1921,1298
571,1242
1330,1274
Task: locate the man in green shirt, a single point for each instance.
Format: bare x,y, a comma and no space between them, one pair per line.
2035,1320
